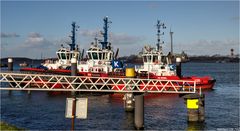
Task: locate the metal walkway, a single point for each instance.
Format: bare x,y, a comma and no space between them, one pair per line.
41,82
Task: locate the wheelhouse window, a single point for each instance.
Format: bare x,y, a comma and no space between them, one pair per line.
103,56
110,57
100,56
164,60
89,55
149,58
59,57
106,56
63,55
68,56
144,58
155,59
95,55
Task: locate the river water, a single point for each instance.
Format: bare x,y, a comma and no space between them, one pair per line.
42,111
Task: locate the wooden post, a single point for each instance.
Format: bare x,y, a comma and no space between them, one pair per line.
129,97
10,64
195,107
139,112
10,68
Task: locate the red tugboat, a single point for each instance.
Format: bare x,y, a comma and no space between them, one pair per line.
99,63
64,55
157,66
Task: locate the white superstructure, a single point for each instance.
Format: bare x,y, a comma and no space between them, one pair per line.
64,56
98,59
155,63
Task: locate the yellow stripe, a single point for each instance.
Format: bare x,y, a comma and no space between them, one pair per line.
192,103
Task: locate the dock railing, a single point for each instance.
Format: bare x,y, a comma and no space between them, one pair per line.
46,82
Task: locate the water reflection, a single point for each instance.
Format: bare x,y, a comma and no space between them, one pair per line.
166,112
128,122
193,126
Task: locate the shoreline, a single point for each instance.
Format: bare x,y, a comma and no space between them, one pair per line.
6,126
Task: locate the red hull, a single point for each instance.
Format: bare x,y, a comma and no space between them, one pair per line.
205,83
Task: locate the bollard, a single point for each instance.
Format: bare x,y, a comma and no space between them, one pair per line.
73,67
202,108
128,102
195,107
178,66
10,64
139,112
129,97
73,93
10,68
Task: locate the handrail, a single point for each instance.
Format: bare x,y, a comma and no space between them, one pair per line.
43,82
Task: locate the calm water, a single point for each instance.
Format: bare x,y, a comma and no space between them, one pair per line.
42,111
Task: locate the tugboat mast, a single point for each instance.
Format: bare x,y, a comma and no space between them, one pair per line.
105,33
159,44
74,29
171,35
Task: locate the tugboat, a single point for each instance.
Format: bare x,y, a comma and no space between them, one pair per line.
64,55
24,64
99,61
157,66
102,62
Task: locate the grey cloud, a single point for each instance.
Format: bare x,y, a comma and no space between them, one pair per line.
64,40
128,44
37,41
90,33
125,38
9,35
115,38
34,35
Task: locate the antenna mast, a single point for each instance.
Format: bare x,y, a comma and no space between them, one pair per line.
171,34
159,26
74,29
105,33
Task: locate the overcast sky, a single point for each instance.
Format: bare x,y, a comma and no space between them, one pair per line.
29,29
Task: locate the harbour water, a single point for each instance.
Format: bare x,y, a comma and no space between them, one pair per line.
167,112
